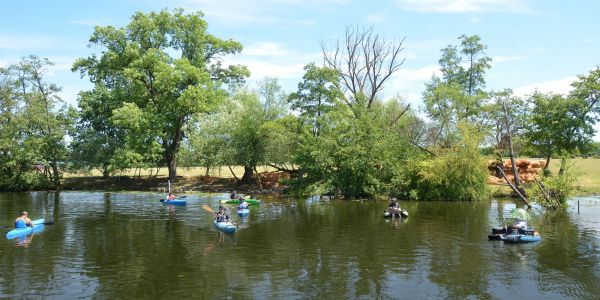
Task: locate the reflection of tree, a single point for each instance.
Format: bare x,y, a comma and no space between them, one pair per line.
570,252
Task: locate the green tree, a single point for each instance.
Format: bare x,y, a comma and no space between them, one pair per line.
249,123
457,173
34,125
317,93
458,95
559,125
96,139
162,69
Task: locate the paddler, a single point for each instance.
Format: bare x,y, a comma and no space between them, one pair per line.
243,204
23,221
394,206
221,216
171,196
233,195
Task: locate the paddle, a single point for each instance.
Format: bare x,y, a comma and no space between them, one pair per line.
51,222
181,197
210,210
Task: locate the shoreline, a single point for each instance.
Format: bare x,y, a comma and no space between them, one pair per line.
181,185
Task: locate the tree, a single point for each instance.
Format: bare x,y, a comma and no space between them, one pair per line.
163,68
96,139
458,173
458,95
559,125
318,92
249,123
34,125
364,61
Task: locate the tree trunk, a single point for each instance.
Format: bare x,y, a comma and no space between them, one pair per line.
105,171
172,165
563,162
55,175
547,162
247,177
510,147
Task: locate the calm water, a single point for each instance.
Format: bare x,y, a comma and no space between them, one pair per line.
114,246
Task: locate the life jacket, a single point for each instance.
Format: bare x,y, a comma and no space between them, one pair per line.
20,223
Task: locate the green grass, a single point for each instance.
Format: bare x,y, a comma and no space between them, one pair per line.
588,173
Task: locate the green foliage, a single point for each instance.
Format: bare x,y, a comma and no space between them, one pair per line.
458,173
357,154
556,188
158,72
317,93
559,125
33,127
459,95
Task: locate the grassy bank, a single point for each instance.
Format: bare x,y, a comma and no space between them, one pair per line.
588,172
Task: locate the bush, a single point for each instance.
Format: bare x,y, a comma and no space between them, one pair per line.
458,173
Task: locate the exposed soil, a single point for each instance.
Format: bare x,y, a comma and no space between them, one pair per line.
271,184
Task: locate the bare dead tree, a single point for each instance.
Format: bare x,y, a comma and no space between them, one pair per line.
365,61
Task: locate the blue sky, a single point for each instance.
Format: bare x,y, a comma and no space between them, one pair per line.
533,43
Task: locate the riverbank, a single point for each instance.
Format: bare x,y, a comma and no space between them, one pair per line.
223,180
160,184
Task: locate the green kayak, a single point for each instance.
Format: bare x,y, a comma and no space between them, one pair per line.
235,201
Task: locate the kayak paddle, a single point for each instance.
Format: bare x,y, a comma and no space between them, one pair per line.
161,200
51,222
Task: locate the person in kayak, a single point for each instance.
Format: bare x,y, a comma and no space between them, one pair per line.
243,204
23,221
221,215
171,196
233,195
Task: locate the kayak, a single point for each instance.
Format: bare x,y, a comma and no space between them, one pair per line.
401,214
242,212
235,201
226,227
38,225
515,238
174,202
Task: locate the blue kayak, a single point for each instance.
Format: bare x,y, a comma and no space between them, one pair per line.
516,238
242,212
227,226
174,202
38,225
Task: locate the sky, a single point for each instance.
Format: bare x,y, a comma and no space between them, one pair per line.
534,44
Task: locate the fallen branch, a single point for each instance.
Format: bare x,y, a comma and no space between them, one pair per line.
513,187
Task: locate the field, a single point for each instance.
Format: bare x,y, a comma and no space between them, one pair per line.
587,169
222,172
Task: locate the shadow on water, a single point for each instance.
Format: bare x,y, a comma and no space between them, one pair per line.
130,246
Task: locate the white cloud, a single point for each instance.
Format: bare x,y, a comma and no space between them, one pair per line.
26,42
559,86
375,18
502,59
410,83
86,22
272,59
266,49
463,6
259,12
475,19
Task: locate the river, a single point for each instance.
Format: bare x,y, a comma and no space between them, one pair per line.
128,245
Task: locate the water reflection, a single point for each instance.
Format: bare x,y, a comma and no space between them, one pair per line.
130,246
